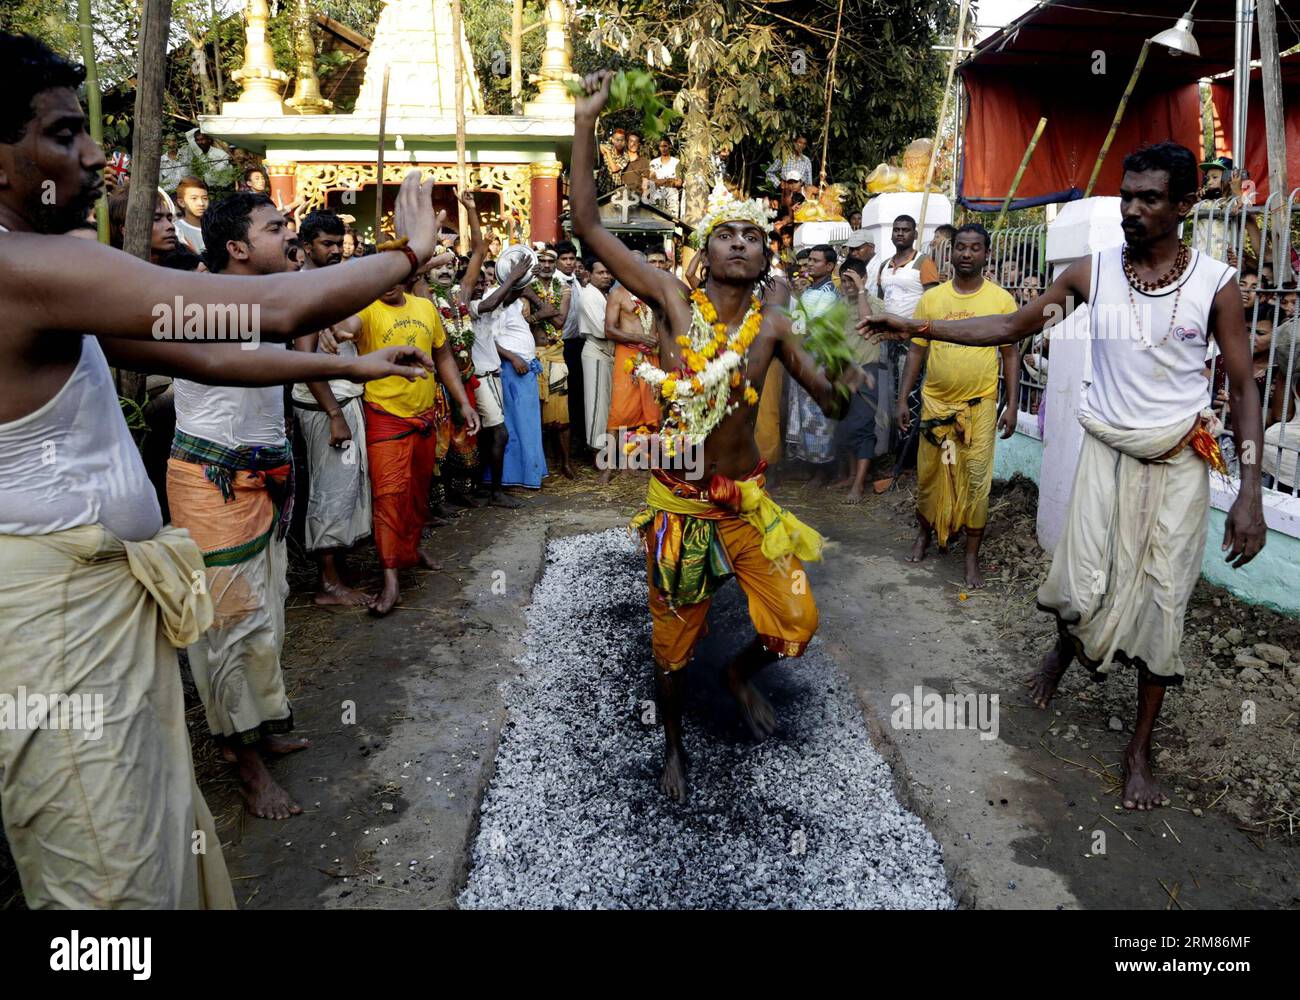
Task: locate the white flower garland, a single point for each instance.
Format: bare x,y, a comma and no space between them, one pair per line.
693,413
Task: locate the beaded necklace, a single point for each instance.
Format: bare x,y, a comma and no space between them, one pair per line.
1132,282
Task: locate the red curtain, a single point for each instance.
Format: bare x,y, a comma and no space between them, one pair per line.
1256,141
1003,108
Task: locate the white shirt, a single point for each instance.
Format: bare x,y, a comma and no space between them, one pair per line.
191,236
1148,362
513,333
484,352
73,462
591,321
230,416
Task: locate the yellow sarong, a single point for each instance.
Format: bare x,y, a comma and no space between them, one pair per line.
110,818
954,464
698,538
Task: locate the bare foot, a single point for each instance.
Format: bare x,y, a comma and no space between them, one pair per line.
1043,681
383,604
443,512
854,496
754,708
605,477
672,781
974,578
919,546
262,793
566,470
282,745
339,595
428,562
504,500
1140,789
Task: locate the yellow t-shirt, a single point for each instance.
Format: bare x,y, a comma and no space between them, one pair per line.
955,373
414,323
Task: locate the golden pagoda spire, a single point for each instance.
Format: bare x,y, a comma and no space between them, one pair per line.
262,82
306,99
553,97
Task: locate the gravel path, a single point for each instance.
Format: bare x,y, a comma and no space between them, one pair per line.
574,817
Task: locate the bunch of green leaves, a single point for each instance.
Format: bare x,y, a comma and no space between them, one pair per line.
824,338
635,88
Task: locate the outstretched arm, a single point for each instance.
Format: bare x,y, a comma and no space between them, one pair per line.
43,282
1066,292
636,275
230,364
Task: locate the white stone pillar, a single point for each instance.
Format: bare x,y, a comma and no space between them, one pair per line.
1079,229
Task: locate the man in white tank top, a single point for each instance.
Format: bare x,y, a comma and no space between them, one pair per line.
95,595
1134,539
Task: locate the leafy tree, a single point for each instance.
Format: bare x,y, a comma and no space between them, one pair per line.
752,75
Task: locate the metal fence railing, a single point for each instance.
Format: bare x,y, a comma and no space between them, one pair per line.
1018,262
1260,242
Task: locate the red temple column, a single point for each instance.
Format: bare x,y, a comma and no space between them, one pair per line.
284,182
545,207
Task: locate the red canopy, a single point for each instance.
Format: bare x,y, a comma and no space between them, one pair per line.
1256,158
1069,62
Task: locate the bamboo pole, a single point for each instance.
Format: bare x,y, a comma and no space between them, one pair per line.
830,88
94,106
938,128
379,158
1119,114
462,174
517,59
1015,182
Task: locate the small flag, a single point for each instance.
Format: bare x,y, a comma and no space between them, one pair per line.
118,168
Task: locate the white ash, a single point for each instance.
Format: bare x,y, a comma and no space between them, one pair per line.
574,817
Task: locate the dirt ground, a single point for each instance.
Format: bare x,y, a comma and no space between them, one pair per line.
405,714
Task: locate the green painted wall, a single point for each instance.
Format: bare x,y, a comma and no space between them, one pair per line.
1272,578
1018,453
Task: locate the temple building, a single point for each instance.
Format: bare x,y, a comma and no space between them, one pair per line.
324,160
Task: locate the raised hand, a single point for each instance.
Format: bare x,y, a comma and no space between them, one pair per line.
595,94
413,215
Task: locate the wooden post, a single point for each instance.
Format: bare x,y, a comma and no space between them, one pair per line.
462,175
1119,114
1274,128
94,108
938,129
146,148
379,158
1015,182
517,59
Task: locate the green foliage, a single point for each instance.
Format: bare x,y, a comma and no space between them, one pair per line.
755,73
635,88
824,338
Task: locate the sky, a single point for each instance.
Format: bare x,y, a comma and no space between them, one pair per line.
995,14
